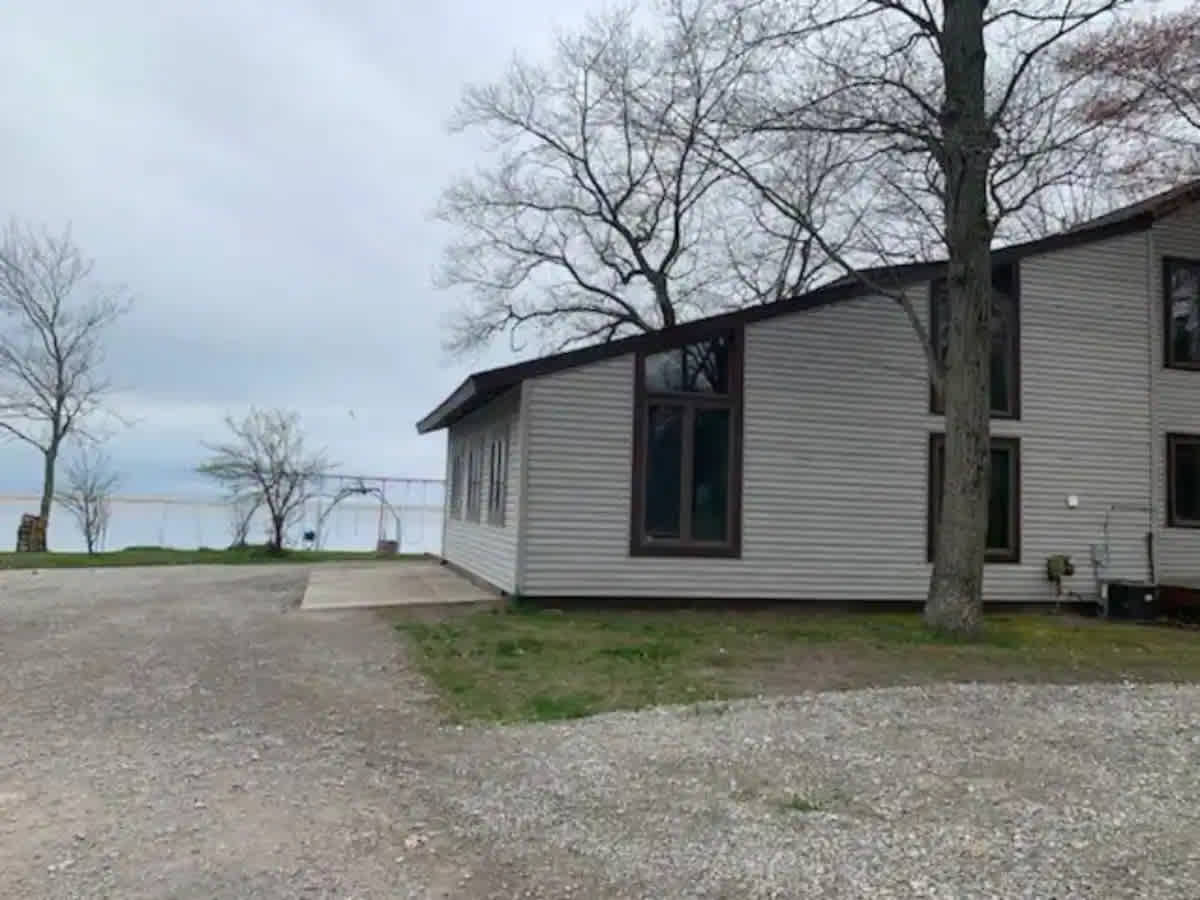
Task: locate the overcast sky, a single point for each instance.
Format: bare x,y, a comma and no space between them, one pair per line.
259,174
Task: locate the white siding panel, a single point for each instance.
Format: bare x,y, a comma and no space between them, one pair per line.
835,455
1085,415
488,551
1176,400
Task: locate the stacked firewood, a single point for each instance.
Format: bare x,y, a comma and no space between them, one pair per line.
31,534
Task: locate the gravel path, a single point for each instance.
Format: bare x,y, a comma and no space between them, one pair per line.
954,791
187,733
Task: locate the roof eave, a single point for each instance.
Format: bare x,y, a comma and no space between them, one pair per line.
447,412
478,388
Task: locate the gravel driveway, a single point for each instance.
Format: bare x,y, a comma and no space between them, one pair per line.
187,733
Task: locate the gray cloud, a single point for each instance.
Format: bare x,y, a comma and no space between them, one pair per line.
259,175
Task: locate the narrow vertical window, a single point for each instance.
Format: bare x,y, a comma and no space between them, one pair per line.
1181,313
1183,480
497,476
687,450
1004,497
474,481
1005,352
456,484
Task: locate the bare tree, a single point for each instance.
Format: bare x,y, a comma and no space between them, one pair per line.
54,320
1144,80
241,516
265,463
959,127
601,217
88,494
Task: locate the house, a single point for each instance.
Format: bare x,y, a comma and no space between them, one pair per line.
792,450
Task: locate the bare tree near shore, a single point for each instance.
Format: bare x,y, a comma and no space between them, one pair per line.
53,321
87,495
264,463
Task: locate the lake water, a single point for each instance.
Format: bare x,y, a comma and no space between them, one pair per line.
206,522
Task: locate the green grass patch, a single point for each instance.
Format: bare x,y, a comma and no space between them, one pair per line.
169,556
530,665
799,803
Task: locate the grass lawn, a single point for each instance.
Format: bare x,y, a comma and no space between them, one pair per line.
521,666
167,556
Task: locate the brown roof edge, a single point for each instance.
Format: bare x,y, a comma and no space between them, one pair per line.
1159,205
458,398
481,387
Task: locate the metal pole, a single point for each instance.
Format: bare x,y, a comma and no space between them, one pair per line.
382,504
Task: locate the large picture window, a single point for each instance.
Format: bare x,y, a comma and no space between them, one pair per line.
1183,480
1181,313
687,450
1004,498
1005,358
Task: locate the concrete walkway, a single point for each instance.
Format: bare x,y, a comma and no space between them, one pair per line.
389,584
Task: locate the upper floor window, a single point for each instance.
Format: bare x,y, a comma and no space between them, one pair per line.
703,366
1181,313
1005,356
687,450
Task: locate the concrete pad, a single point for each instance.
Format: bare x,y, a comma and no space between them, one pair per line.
389,584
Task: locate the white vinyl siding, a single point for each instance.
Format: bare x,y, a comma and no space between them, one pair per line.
486,550
1176,400
1085,425
836,439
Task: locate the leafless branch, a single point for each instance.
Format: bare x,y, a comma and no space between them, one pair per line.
1141,80
54,319
90,482
592,222
264,463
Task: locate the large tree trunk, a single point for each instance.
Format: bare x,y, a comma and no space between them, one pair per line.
50,459
277,526
955,602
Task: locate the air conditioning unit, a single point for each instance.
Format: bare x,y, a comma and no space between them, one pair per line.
1133,600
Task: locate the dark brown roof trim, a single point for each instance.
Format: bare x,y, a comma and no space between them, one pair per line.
482,387
1159,205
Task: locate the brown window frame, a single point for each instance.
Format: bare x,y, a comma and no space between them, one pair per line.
1174,439
1011,554
936,404
734,401
1167,347
498,476
456,483
474,480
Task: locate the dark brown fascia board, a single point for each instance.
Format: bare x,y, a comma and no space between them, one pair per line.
1159,205
479,388
482,387
461,396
